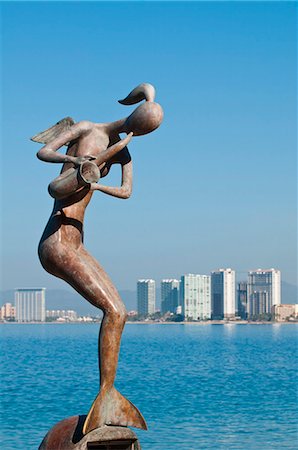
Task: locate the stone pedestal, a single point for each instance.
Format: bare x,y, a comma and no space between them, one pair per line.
67,435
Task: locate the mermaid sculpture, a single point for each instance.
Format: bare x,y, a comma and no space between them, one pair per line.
92,148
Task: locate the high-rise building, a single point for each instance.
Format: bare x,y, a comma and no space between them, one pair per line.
223,294
195,296
242,299
146,297
30,305
263,291
169,295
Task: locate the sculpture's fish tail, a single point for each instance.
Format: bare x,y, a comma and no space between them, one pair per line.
111,408
144,91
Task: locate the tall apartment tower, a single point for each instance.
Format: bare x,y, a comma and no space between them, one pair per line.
242,299
263,291
195,296
223,294
169,295
30,305
146,297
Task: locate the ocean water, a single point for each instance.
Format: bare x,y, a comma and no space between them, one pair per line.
199,387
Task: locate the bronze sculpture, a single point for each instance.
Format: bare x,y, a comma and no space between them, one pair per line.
92,148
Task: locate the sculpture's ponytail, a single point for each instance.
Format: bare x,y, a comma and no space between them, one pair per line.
144,91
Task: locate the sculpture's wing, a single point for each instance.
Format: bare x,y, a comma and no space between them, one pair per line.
52,133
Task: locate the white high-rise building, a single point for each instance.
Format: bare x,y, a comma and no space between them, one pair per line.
146,297
30,305
263,291
195,296
169,295
223,294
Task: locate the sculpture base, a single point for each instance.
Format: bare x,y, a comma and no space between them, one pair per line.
68,435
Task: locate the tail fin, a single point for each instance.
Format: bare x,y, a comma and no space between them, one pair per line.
111,408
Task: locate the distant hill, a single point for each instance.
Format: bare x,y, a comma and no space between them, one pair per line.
289,293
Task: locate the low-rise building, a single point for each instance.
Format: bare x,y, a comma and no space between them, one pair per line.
283,312
7,312
67,315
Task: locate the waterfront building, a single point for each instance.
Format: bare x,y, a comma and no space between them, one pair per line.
195,296
223,294
52,313
242,299
263,291
146,297
7,312
283,313
68,315
30,305
71,315
132,313
169,295
179,308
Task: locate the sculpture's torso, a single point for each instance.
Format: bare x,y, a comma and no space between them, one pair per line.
66,221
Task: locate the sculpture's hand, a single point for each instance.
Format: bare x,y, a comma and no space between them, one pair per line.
78,160
113,150
124,191
119,192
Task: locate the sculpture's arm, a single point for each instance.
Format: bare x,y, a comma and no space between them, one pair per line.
110,154
48,153
126,185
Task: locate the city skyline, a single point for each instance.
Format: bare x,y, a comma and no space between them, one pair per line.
194,297
214,186
213,297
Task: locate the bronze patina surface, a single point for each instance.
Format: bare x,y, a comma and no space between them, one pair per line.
68,435
92,148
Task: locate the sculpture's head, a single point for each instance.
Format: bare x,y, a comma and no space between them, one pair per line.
146,117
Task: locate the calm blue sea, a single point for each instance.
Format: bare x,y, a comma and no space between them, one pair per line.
199,387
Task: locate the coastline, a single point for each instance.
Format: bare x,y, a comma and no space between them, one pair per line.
152,322
214,322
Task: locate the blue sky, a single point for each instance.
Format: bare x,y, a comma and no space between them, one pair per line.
215,186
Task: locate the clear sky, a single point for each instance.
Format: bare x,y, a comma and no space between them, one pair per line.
215,186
